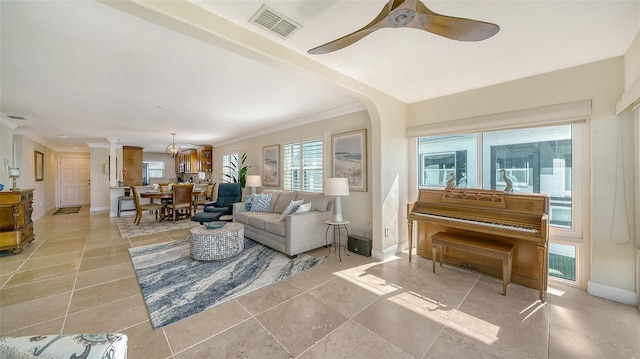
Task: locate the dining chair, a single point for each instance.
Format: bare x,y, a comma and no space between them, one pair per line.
154,207
181,199
207,198
163,187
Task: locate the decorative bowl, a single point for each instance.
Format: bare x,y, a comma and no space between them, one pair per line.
215,225
1,186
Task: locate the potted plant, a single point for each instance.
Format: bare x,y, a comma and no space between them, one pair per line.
238,170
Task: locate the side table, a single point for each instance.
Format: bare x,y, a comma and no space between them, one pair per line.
336,226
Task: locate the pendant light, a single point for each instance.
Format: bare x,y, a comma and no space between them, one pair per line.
173,150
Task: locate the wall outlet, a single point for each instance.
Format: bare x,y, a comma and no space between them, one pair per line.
386,231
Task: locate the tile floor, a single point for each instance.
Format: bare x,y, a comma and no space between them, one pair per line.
77,277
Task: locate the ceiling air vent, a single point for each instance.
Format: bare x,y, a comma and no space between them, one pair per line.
275,22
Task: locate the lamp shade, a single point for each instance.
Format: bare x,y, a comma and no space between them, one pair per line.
14,172
254,181
336,187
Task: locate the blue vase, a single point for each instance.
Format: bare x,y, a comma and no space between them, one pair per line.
1,186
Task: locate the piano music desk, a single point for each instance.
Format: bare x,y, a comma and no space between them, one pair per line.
499,250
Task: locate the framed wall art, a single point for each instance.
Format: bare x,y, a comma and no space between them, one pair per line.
271,165
349,153
38,160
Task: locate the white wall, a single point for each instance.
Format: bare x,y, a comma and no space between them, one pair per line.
100,200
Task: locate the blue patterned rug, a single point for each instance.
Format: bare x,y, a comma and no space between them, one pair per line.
175,286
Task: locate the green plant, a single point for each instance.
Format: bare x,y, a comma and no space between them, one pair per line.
238,170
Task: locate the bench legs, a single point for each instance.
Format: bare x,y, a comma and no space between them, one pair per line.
506,266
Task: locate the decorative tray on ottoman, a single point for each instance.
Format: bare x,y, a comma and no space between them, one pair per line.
215,225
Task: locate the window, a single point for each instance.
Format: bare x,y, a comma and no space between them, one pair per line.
536,160
229,161
304,166
155,169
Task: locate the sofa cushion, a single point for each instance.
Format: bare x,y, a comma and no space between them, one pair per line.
276,227
284,199
275,193
318,200
293,205
261,203
258,220
242,217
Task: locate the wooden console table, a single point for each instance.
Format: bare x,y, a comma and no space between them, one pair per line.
16,227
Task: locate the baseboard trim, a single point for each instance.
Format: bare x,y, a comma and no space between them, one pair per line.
383,255
612,293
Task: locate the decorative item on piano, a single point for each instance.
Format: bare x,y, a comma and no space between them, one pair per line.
451,183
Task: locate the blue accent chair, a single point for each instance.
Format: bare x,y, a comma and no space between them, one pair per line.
228,194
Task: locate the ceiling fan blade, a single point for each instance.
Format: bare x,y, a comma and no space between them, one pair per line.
378,23
455,28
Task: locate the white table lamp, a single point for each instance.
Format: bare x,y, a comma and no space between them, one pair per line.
253,181
337,187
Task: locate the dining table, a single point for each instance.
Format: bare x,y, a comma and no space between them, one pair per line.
165,197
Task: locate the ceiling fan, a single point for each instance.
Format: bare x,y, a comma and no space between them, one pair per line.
414,14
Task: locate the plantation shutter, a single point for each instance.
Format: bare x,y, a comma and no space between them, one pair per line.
303,166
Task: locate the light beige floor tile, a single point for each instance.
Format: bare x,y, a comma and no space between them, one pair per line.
52,260
35,275
599,318
104,261
246,340
103,293
462,344
191,330
35,311
346,297
525,327
300,322
35,290
112,317
107,251
268,297
144,342
409,330
351,340
311,278
105,274
53,326
401,262
566,342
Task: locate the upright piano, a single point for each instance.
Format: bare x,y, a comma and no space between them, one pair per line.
520,219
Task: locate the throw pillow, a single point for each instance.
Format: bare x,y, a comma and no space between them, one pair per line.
248,199
304,208
261,202
293,205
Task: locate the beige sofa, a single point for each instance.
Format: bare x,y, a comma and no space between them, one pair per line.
298,232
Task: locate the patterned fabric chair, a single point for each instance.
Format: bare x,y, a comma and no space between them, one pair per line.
228,194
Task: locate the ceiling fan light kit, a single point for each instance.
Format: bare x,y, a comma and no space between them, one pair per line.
414,14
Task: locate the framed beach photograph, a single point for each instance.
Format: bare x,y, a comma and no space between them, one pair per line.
349,151
271,165
38,160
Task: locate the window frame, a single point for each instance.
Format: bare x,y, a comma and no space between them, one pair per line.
303,168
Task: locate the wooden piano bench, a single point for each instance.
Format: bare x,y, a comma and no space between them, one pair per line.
499,250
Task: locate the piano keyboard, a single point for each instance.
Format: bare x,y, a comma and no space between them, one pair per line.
482,223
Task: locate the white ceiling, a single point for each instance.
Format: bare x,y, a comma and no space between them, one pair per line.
91,72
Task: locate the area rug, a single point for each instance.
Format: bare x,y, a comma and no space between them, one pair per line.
67,210
149,225
175,286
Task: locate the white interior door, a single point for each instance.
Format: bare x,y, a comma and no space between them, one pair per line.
74,181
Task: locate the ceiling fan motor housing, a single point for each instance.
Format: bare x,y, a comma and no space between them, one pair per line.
401,17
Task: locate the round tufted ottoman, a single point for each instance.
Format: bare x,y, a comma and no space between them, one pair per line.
211,244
